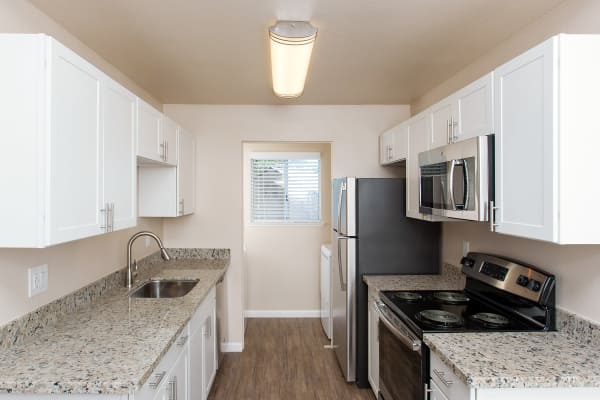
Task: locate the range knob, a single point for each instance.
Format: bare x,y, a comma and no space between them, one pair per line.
535,285
467,262
523,280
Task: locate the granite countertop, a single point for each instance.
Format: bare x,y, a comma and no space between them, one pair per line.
450,279
111,345
518,360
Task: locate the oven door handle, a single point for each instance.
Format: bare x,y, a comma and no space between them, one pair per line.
413,344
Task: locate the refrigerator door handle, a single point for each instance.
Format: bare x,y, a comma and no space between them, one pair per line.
339,206
343,285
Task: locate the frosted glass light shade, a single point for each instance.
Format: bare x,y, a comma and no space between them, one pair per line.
291,47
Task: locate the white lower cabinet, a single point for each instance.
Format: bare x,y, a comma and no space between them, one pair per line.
189,367
446,385
373,351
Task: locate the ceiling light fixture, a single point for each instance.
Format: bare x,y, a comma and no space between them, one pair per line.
291,46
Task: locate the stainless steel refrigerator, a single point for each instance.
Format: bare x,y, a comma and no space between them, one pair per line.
371,235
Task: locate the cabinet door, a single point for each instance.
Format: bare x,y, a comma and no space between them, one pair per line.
373,350
169,140
400,142
177,385
186,173
473,109
385,147
209,349
196,387
439,129
75,155
118,116
149,132
526,136
417,142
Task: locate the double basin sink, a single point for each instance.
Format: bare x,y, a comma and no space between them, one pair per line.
164,288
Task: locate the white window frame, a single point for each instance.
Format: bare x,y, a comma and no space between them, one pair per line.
279,155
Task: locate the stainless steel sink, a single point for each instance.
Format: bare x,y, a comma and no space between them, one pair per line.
164,288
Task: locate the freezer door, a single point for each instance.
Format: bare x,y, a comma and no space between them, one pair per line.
344,206
343,303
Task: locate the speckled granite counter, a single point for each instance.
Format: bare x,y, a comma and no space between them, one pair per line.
112,344
518,360
450,279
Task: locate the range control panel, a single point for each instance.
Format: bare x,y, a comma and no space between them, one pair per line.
514,277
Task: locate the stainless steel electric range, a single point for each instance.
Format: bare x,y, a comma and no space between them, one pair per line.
500,295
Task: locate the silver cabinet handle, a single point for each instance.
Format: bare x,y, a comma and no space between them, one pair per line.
173,388
492,216
157,380
442,377
162,150
167,150
112,217
181,207
105,212
207,331
182,341
426,392
448,127
454,128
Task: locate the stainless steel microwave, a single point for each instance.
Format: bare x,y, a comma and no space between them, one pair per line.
456,180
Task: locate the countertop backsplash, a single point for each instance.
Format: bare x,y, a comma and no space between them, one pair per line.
18,330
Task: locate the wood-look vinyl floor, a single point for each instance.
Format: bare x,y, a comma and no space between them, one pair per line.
284,359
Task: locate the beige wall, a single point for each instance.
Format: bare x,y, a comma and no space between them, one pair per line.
571,16
20,16
283,261
72,265
220,130
577,267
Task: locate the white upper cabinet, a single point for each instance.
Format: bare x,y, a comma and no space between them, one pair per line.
418,141
464,114
186,173
120,168
394,144
74,147
157,136
546,139
65,146
170,191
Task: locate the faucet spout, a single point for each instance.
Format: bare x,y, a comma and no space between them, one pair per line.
163,253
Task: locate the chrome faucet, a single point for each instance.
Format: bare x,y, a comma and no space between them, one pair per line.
163,253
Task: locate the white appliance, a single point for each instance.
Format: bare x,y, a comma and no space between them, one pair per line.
326,320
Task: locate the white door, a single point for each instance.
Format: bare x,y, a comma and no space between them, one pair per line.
177,385
373,350
418,141
440,117
526,136
400,142
209,350
473,109
385,147
169,140
118,116
435,393
75,153
196,387
149,132
186,173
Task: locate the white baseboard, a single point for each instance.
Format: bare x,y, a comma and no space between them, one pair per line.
282,313
231,347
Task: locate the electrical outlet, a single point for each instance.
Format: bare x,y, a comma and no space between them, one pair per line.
148,243
38,279
466,247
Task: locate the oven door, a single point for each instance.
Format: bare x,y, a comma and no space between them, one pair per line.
402,367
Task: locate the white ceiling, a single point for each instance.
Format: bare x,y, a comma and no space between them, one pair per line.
367,52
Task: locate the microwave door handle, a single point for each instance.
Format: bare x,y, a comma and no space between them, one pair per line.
451,186
466,184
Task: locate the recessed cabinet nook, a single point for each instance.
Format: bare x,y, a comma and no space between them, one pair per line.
73,139
541,108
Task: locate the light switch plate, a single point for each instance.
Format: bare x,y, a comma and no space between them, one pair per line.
38,279
466,247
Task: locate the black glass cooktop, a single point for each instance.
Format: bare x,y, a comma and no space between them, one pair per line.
452,311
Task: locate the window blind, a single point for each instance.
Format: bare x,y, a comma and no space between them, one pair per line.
285,187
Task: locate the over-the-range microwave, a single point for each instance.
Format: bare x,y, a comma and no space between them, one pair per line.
456,180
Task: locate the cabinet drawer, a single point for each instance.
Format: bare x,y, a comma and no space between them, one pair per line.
448,383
